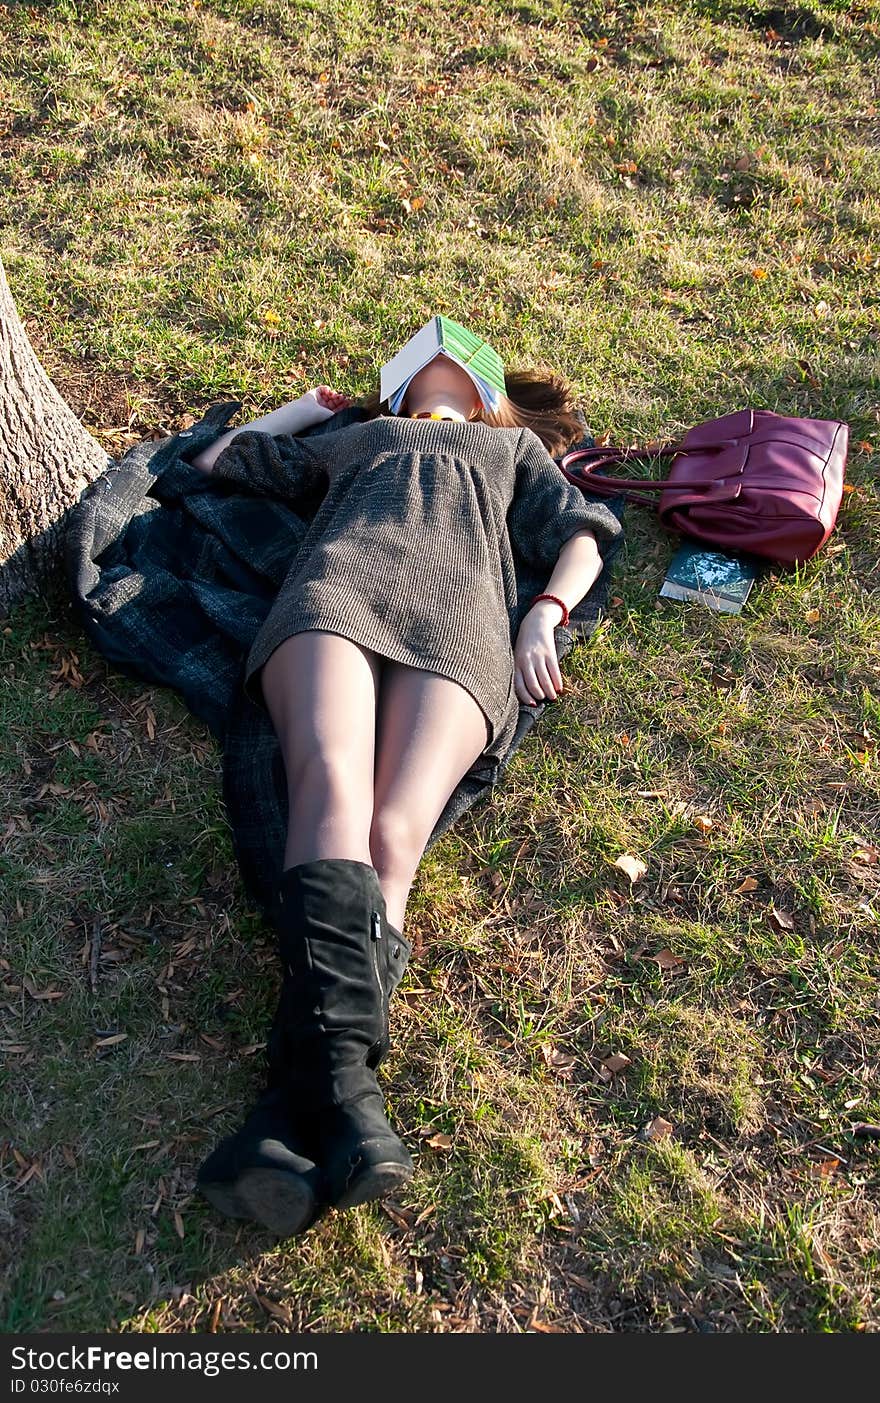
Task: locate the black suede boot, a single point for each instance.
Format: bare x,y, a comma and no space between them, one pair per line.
336,954
394,951
266,1170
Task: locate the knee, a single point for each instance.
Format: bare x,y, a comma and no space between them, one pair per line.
394,845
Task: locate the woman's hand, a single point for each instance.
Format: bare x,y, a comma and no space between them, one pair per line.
328,401
536,674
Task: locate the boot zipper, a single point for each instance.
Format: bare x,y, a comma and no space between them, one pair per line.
374,951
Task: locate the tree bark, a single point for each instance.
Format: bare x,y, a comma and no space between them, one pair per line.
47,458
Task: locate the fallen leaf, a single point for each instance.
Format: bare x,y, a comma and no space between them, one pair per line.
216,1043
658,1129
828,1077
396,1216
825,1168
809,374
439,1141
178,1223
556,1059
44,993
703,822
631,865
558,1205
111,1042
617,1062
747,884
782,920
666,959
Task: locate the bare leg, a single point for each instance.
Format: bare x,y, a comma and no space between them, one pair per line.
321,690
429,732
340,711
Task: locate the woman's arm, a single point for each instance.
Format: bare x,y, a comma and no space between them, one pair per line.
558,530
547,509
578,567
537,675
310,408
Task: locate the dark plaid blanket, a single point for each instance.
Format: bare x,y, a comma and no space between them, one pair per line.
173,572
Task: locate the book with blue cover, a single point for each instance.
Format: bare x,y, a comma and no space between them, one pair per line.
718,579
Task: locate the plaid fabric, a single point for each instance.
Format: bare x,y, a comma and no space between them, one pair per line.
173,572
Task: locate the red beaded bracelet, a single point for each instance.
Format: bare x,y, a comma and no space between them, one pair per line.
563,622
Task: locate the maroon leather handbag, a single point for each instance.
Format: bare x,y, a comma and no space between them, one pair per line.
752,481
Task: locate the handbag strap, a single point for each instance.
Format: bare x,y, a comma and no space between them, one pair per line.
716,487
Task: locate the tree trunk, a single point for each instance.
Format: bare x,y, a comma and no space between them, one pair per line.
46,459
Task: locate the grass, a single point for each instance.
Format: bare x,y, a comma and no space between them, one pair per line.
633,1105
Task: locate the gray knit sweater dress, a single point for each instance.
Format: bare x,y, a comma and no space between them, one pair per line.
409,549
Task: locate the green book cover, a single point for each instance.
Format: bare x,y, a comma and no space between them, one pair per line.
442,334
718,579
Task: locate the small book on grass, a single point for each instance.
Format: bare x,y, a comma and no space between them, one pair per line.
715,578
441,335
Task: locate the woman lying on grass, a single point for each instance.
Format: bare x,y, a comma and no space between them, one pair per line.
389,670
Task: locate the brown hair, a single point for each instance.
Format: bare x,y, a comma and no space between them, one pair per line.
539,399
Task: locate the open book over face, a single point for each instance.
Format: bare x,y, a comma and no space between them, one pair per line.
442,336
